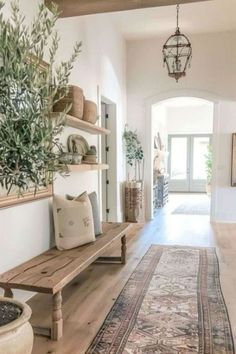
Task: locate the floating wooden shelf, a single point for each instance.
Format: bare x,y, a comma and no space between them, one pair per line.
85,126
87,167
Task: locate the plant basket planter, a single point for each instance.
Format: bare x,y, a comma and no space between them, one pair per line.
90,112
75,98
16,334
134,202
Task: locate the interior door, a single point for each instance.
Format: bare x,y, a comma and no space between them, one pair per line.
179,163
187,162
198,175
105,177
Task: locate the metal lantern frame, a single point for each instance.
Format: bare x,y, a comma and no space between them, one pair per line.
177,53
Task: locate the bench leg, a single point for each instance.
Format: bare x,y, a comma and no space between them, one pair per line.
8,293
123,249
57,321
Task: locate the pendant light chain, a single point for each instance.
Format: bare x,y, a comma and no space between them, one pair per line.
177,17
177,52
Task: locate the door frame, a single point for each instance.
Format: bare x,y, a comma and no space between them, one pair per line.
188,184
109,195
148,148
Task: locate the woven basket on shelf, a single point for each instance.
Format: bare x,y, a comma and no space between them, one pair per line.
90,112
75,97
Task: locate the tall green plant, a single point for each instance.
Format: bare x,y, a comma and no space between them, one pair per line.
208,162
29,145
134,151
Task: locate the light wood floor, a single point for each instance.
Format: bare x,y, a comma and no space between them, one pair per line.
87,301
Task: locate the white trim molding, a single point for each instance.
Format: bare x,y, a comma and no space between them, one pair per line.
156,99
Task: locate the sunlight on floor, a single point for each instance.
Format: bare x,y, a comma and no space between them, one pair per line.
187,229
190,204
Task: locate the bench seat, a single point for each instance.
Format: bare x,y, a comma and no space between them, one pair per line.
52,270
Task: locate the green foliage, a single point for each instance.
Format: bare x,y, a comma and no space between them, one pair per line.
29,146
134,150
208,162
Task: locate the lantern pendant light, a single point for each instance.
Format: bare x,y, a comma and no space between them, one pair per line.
177,52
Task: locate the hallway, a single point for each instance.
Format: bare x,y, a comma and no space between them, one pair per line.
98,287
174,228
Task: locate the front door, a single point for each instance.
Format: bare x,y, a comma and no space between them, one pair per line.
187,162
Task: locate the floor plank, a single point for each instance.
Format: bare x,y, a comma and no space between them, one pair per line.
87,301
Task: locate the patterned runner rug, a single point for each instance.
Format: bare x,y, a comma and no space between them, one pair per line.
171,304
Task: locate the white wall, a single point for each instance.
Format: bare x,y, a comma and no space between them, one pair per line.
183,119
212,74
224,206
159,124
190,119
26,229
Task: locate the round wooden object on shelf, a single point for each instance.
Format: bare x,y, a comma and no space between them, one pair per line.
90,112
75,98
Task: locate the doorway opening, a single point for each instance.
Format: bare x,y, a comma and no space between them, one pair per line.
187,165
182,130
109,156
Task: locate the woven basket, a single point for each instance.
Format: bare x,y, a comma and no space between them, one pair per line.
90,112
134,202
76,98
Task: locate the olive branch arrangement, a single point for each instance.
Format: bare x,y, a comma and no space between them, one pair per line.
29,143
134,153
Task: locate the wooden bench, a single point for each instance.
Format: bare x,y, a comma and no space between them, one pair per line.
51,271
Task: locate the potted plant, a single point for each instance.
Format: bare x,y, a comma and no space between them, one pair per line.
16,334
134,187
30,87
208,163
30,146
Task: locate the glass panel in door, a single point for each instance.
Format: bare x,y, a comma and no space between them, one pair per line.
178,163
198,173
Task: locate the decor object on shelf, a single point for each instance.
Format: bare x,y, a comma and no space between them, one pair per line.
90,112
73,102
66,158
16,334
159,161
233,167
160,155
29,139
134,189
158,302
177,53
95,208
69,158
77,144
73,222
91,156
208,162
77,159
157,141
86,167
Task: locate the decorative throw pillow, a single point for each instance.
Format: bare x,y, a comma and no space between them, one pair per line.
95,208
73,221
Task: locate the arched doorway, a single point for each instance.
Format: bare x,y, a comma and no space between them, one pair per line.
155,100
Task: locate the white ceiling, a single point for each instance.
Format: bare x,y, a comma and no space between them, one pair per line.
202,17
